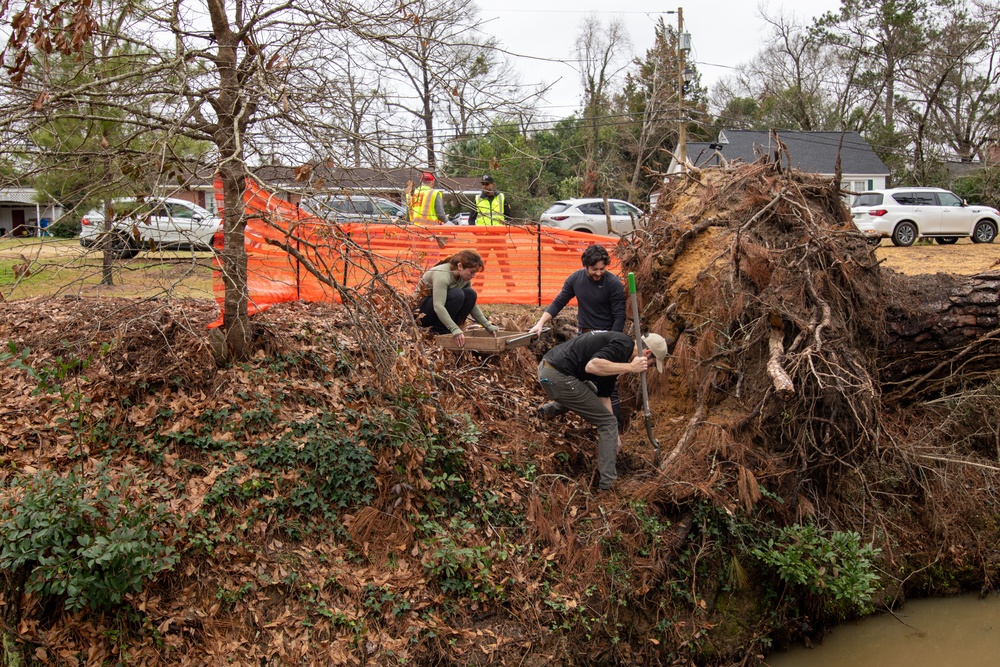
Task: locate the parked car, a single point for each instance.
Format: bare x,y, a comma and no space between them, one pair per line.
587,215
355,208
459,219
906,214
166,224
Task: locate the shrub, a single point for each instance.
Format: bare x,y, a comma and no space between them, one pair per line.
833,566
86,540
66,227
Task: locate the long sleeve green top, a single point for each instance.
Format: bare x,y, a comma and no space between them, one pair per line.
440,279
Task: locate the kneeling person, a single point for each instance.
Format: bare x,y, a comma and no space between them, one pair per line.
598,357
446,298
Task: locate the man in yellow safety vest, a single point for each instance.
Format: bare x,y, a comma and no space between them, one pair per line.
491,206
426,204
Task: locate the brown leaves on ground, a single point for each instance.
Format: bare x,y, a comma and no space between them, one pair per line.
132,386
481,540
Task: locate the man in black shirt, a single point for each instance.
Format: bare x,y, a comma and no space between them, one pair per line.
600,301
600,296
598,357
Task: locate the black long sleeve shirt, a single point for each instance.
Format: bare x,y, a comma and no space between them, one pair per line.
600,305
474,212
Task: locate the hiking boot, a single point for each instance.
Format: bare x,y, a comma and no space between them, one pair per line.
550,410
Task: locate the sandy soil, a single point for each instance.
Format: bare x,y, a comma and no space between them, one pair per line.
964,258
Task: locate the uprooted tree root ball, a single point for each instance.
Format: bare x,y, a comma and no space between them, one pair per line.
354,495
771,302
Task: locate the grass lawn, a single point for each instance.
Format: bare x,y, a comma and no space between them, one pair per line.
62,266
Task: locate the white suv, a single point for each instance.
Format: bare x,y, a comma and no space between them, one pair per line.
906,214
587,215
157,223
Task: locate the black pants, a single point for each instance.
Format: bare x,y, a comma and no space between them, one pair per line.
459,304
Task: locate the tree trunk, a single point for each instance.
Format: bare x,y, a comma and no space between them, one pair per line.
234,113
234,263
938,327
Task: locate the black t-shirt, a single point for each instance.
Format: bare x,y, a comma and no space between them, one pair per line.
572,356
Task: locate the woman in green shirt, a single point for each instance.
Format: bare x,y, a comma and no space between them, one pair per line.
446,297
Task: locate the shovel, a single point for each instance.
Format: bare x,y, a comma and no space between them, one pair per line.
642,376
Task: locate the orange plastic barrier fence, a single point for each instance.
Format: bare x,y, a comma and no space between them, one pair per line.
524,264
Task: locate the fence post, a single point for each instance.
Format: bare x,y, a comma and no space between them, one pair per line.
539,262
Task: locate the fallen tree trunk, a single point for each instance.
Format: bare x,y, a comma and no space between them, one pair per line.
941,330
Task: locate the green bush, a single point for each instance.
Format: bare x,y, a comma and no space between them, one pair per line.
460,569
83,539
834,566
66,227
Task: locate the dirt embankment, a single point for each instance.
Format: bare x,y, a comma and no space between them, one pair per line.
353,495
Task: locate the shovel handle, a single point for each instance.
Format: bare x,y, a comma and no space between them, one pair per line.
642,376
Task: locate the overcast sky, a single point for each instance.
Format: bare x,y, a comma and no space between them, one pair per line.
724,33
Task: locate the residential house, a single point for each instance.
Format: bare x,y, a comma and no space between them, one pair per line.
812,152
22,215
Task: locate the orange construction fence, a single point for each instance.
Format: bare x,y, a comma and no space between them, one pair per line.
524,264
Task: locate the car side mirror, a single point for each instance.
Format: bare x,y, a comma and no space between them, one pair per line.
965,202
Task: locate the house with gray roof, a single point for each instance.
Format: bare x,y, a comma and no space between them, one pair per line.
812,152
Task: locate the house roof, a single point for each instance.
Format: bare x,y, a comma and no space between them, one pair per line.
813,152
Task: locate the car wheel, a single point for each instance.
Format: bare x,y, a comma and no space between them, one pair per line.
121,246
904,235
584,230
984,232
874,241
947,240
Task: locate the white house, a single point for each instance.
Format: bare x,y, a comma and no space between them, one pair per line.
813,152
21,215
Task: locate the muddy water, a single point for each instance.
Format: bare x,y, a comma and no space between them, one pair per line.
962,631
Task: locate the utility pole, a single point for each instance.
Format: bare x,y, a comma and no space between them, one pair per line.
683,46
682,130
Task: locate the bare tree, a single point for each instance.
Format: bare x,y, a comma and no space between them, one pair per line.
603,52
795,82
880,37
252,80
482,84
957,87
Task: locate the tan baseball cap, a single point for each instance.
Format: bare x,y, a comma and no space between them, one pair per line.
658,346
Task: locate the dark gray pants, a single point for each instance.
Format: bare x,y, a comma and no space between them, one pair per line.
459,304
572,393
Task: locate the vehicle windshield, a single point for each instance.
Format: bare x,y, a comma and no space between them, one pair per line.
868,199
558,207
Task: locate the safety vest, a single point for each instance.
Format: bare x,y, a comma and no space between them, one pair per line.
489,212
422,209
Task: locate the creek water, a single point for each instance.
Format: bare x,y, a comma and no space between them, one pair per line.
963,630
